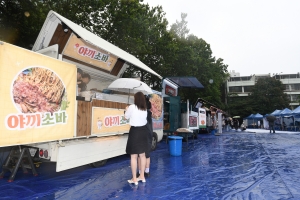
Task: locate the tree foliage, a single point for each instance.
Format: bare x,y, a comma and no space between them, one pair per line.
194,58
132,26
268,95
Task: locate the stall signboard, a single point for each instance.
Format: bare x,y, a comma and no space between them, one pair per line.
193,121
169,89
37,97
80,50
157,111
109,121
202,117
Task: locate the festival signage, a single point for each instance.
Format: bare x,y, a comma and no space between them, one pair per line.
202,118
80,50
193,121
157,111
170,91
37,97
109,121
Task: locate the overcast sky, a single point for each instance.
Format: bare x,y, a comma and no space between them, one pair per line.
252,36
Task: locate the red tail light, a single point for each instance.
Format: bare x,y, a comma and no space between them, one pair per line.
41,152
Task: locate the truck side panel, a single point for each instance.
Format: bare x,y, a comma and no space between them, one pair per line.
81,152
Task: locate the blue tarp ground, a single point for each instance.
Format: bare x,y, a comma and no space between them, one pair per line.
235,165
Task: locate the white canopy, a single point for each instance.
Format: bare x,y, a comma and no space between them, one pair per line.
99,42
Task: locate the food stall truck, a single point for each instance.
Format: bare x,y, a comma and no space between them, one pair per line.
179,117
42,111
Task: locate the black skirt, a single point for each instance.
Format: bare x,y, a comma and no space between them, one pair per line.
137,141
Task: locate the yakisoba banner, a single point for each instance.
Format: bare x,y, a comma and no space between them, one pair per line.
37,97
80,50
109,121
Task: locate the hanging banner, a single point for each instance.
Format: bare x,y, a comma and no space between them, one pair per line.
157,111
37,97
80,50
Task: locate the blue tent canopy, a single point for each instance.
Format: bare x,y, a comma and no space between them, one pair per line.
285,111
296,110
250,116
258,116
275,112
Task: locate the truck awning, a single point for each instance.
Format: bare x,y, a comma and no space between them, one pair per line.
99,42
186,82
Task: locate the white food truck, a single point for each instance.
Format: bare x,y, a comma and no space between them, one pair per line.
42,111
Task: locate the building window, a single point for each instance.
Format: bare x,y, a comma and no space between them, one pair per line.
294,97
248,88
235,89
295,87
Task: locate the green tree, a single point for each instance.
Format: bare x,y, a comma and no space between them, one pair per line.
180,27
268,95
21,21
141,31
133,27
239,106
193,57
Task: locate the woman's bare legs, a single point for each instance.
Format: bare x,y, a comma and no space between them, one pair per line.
133,164
147,165
143,165
139,165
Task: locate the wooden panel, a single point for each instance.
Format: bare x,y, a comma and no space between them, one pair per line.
60,37
84,114
108,104
118,66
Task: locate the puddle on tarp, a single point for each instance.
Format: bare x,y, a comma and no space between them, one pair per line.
235,165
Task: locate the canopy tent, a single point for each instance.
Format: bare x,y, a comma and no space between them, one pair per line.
285,111
90,38
250,116
258,116
253,119
186,82
275,112
296,111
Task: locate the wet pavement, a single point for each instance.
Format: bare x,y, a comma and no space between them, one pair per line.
235,165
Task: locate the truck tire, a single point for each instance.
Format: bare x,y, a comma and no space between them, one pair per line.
99,163
154,142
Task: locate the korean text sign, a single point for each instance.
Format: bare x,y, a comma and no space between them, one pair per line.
38,97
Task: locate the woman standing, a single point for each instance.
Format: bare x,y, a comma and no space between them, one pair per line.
137,143
150,136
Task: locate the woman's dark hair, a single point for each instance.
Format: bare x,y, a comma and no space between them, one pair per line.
140,101
148,103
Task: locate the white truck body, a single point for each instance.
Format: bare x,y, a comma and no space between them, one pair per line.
80,146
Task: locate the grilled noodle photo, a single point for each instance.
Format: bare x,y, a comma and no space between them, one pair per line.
156,106
38,90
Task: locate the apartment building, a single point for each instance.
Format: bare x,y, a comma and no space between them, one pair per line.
242,85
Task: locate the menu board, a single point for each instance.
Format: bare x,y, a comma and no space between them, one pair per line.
37,97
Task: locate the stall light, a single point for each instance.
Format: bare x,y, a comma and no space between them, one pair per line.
46,154
65,27
41,153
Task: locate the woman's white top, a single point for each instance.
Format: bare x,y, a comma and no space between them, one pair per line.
136,117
